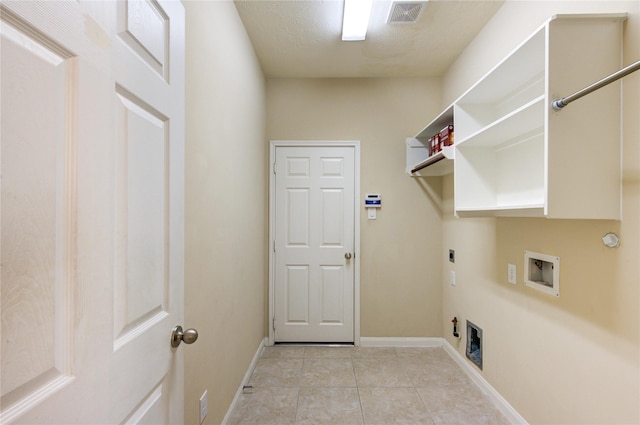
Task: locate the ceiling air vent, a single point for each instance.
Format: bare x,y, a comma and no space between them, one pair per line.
403,12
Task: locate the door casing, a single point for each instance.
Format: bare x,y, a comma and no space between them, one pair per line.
356,243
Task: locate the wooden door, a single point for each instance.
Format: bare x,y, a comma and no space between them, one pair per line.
92,155
314,244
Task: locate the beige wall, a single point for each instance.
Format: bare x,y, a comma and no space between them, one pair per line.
567,360
225,206
573,359
400,251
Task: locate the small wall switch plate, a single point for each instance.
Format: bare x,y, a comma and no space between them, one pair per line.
511,273
203,406
371,213
452,278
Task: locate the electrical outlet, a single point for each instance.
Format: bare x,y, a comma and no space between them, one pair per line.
203,406
452,278
511,273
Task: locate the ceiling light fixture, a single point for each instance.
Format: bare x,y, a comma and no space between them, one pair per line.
355,19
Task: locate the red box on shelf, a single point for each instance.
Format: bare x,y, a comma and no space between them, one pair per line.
437,147
434,145
446,136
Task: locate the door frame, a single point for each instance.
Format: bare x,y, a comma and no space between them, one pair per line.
355,144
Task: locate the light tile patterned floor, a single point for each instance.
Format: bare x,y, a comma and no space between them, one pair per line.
318,385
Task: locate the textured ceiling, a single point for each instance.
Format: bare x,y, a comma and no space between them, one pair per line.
302,39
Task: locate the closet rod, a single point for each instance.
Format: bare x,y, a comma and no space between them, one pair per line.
439,156
558,104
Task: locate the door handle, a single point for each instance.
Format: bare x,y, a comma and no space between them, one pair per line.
178,335
347,256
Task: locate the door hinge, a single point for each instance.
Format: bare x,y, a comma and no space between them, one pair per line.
274,168
273,323
274,246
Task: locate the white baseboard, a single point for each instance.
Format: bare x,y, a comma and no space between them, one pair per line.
400,342
502,404
245,380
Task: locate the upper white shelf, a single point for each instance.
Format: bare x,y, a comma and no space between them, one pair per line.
418,149
513,155
509,127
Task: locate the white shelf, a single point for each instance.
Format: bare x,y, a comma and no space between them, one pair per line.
515,81
521,121
438,123
513,155
535,210
441,163
516,156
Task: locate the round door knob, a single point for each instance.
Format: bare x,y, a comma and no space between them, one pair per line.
178,335
347,256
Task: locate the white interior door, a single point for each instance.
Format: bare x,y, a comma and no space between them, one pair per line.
92,156
314,244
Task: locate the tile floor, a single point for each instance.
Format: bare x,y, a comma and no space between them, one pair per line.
318,385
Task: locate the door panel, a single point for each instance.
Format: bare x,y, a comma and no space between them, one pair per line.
37,211
142,248
314,229
332,219
297,288
144,27
152,410
91,211
332,295
298,213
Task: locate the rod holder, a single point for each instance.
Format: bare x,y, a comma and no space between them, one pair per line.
558,104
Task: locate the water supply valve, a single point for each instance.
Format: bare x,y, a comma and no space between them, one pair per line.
455,327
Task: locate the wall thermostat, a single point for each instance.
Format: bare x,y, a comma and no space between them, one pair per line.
372,201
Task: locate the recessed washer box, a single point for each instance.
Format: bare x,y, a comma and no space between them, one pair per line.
542,272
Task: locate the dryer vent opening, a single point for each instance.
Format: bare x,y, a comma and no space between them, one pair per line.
474,344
